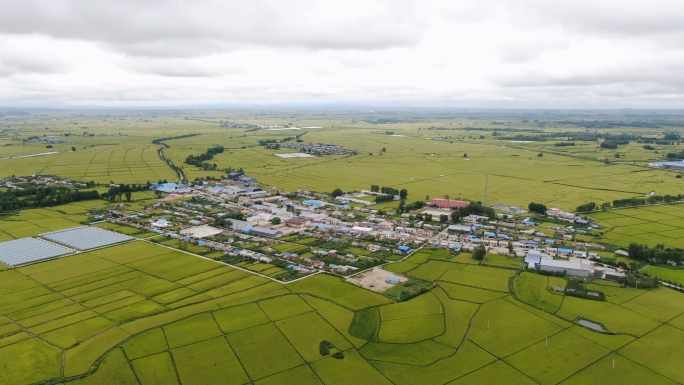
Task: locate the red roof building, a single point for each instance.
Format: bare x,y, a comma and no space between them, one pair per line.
449,203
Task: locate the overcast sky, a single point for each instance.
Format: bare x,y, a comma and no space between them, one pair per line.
481,53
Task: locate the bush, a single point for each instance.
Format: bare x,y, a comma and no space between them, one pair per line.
324,347
338,355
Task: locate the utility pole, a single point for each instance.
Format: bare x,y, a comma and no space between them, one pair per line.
486,197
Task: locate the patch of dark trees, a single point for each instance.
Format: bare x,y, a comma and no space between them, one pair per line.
659,253
33,197
200,160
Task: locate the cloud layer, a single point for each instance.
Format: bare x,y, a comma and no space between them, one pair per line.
495,52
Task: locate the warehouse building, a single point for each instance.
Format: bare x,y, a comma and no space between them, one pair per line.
575,268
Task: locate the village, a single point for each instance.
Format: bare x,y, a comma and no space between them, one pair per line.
305,232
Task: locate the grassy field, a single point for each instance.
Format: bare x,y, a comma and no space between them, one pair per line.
125,154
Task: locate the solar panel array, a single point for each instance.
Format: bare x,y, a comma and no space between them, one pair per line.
27,250
85,238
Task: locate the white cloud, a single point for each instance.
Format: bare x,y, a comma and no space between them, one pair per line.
530,52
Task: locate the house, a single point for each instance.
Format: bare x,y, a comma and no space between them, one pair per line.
392,280
297,222
404,249
459,229
162,223
361,230
579,253
239,225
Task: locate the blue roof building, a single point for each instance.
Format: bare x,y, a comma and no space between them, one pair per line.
392,280
404,249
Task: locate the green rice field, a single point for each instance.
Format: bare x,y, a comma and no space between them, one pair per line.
649,225
140,312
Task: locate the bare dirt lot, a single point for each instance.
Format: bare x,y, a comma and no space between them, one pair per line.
375,279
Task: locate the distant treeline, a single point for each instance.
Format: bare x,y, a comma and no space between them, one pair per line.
627,202
32,197
616,123
161,140
675,155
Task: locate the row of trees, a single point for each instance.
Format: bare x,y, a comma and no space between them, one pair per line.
117,191
161,140
659,253
199,160
42,197
382,198
403,193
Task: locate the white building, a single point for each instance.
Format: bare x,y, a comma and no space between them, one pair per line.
576,268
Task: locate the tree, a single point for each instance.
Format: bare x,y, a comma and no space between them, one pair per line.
538,208
402,206
587,207
541,154
455,216
427,198
337,192
128,196
403,194
384,149
73,149
480,252
444,218
375,188
275,220
465,155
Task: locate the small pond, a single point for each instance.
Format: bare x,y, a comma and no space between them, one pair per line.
592,325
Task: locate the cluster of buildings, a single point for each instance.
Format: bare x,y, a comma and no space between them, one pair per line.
256,215
320,148
37,180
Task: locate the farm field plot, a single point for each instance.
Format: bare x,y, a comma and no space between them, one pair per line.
615,318
433,270
551,364
647,225
533,289
126,162
480,276
29,223
674,275
645,351
492,323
